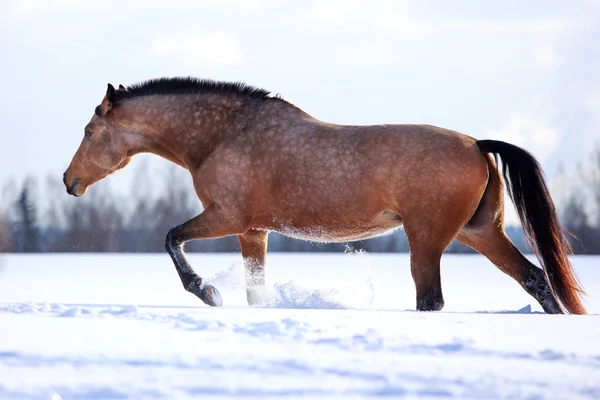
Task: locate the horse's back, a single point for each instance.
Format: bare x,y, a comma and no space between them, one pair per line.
361,176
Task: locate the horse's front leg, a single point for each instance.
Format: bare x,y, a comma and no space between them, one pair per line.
254,251
213,222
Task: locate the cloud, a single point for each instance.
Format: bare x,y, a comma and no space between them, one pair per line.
340,12
29,7
331,12
546,56
592,102
390,18
215,49
531,130
394,23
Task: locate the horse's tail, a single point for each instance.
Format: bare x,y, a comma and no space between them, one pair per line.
527,189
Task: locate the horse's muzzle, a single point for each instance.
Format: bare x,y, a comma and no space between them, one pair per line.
72,190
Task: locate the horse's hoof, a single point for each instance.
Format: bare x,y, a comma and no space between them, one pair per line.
211,296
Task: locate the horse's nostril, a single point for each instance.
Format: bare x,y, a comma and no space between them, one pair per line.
71,189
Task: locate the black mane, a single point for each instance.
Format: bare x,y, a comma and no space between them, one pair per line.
190,85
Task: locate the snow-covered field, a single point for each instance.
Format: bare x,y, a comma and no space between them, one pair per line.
336,326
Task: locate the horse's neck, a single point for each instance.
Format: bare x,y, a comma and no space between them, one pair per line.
181,130
185,131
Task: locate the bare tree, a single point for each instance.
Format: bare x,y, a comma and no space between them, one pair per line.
594,182
89,224
5,235
176,204
27,211
576,221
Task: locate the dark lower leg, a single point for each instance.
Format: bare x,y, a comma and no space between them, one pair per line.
425,269
501,252
536,285
254,251
210,224
174,247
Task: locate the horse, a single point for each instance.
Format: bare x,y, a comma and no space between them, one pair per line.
260,164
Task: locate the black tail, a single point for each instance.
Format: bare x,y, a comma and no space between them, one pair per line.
527,188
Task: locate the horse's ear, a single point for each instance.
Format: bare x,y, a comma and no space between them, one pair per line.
108,101
122,88
111,95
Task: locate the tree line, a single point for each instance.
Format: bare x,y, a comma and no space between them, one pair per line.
40,217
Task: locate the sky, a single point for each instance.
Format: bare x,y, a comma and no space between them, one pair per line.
525,72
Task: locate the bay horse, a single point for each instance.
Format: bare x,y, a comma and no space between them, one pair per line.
261,164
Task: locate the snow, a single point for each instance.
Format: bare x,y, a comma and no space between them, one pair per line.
335,326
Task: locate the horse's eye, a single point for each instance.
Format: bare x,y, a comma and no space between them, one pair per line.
88,134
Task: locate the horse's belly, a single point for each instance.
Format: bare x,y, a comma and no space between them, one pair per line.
384,224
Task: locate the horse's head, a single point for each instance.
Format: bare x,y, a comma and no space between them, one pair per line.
103,150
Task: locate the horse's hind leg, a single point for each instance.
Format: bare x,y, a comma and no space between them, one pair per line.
485,234
425,270
254,251
427,241
492,242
